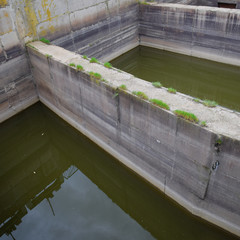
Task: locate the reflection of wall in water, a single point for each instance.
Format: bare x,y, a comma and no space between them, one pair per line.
30,171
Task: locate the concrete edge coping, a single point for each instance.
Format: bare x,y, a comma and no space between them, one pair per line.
220,120
192,7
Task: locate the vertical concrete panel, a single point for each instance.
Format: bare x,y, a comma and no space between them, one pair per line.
204,32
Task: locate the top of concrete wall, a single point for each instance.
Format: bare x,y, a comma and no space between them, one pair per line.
219,120
210,3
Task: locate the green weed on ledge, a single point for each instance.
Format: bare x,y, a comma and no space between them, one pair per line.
72,64
44,40
123,87
93,60
29,45
172,90
79,67
107,65
97,77
160,103
141,95
186,115
203,123
209,103
157,84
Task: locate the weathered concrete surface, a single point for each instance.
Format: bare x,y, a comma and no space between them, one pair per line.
210,3
205,32
100,28
176,156
17,90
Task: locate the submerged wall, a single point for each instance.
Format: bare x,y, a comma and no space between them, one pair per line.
174,155
205,32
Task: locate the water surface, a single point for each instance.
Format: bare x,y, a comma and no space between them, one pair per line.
193,76
56,184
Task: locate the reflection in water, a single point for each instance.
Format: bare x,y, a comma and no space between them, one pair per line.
56,184
196,77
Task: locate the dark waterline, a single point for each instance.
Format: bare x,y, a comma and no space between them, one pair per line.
56,184
193,76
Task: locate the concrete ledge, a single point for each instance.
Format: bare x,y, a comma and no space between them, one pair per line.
191,164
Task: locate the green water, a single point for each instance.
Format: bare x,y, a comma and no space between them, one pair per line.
56,184
193,76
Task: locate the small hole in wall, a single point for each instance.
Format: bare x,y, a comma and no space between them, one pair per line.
226,5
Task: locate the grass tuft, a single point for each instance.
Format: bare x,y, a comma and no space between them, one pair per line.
172,90
141,95
85,57
48,55
94,60
107,65
79,67
72,65
97,76
44,40
203,123
186,115
160,103
197,100
157,84
123,87
209,103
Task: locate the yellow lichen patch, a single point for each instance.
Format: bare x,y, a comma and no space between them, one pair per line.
46,5
52,29
40,15
3,3
31,18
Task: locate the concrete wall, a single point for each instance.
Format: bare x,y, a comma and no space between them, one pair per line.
105,29
99,28
174,155
204,32
210,3
17,90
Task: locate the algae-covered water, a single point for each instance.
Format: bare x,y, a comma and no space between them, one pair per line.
56,184
193,76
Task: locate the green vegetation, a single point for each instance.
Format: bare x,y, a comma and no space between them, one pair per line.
97,76
44,40
172,90
210,103
107,65
79,67
219,141
48,55
144,3
197,100
141,95
32,47
124,87
157,84
160,103
203,124
94,60
186,115
72,65
85,57
104,80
